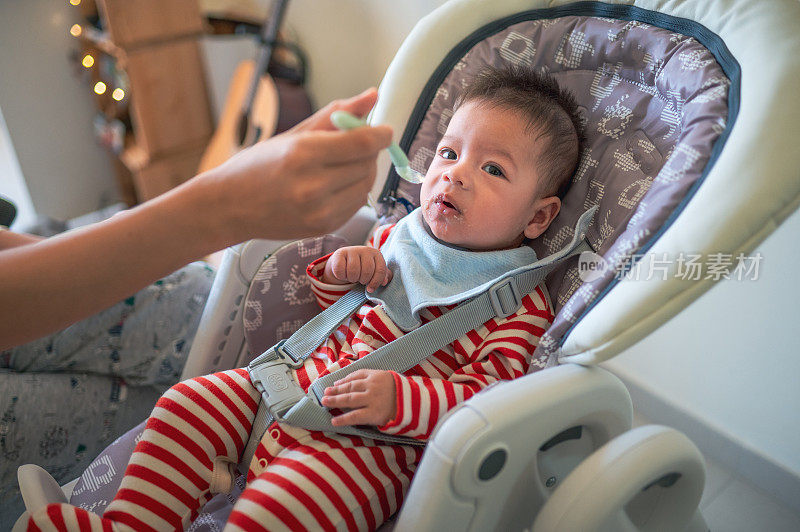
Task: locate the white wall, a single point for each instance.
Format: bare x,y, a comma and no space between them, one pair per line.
49,110
732,358
351,42
348,44
12,184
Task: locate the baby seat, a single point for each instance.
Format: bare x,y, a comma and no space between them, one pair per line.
687,152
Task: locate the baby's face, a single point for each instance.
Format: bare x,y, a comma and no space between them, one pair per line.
481,190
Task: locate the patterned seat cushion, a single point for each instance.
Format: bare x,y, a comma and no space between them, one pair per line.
280,300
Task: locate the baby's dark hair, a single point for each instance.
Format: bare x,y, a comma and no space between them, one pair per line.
552,113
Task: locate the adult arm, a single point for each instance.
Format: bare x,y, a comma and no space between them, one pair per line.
11,239
304,182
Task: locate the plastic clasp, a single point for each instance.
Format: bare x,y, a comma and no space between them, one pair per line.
505,297
272,376
286,356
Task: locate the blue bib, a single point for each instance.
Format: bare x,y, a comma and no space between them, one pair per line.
429,273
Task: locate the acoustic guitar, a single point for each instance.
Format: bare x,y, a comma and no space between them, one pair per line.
257,104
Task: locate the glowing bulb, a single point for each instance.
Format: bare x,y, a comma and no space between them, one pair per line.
88,61
99,87
118,94
76,30
75,2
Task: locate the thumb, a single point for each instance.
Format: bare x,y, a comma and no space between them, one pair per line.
360,104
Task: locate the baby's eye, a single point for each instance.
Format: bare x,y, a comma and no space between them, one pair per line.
493,170
447,153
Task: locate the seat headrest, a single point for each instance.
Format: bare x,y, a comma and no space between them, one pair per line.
654,102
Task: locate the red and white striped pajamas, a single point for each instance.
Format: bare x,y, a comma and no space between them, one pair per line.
300,479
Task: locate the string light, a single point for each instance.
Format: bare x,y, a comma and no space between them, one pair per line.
118,94
88,61
99,87
76,30
75,2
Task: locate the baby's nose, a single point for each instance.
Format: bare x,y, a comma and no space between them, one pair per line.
455,179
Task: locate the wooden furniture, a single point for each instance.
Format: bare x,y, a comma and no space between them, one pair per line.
152,48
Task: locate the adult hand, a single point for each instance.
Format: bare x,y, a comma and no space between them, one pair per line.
306,181
358,105
368,395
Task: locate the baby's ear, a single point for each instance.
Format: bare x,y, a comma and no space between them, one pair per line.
545,211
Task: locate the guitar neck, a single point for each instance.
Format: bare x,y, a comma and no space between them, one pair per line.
269,33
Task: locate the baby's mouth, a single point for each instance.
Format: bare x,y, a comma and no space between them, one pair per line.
442,199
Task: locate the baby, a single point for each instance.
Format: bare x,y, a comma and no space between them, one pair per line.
496,181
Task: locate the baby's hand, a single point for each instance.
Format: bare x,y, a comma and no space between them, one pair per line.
357,264
368,395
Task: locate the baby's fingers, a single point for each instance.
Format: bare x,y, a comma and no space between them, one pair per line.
343,386
345,400
358,374
353,267
381,275
359,416
367,269
377,279
338,264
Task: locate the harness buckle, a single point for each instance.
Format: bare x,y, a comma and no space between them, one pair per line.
272,376
505,297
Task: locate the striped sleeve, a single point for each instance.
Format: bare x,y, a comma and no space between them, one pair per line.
380,235
504,353
326,294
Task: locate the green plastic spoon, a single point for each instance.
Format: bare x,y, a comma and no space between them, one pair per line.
345,120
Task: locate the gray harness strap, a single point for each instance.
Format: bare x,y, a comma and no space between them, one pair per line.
284,400
271,372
